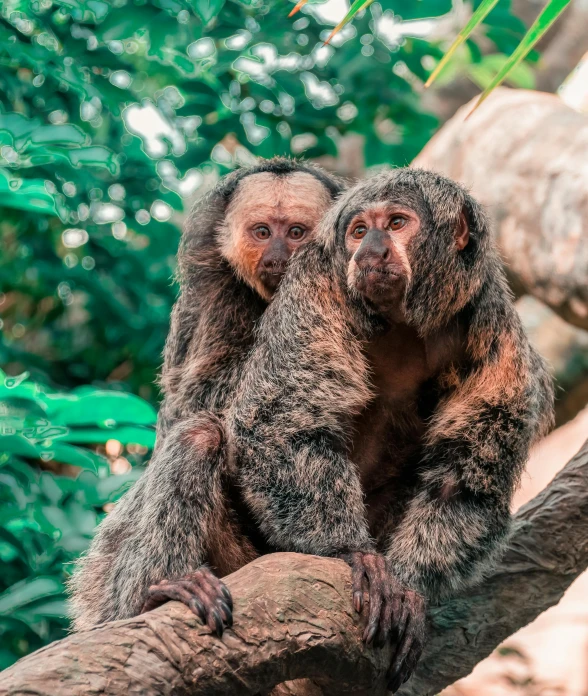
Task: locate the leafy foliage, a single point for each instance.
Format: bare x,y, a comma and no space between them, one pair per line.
114,113
548,16
54,484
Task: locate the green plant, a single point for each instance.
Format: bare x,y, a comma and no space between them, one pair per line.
91,204
548,16
58,452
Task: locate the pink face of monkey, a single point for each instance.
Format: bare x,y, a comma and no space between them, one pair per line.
267,220
377,241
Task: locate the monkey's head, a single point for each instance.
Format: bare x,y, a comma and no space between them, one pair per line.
272,210
415,246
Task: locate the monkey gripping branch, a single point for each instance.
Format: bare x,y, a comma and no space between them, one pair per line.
294,620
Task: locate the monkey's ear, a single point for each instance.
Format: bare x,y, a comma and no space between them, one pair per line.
462,232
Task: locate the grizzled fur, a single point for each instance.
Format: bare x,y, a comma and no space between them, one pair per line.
177,515
438,504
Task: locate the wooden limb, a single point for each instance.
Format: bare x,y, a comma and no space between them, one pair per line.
294,619
523,154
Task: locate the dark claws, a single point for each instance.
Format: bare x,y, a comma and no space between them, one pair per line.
227,596
218,623
227,613
202,592
198,608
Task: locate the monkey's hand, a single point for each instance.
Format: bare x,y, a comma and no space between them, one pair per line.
371,568
396,613
409,612
202,592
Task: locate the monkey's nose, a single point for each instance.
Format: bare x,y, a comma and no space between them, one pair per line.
372,257
273,265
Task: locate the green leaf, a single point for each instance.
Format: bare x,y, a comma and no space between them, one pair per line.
125,434
95,156
106,409
28,591
548,16
477,18
65,134
206,9
483,72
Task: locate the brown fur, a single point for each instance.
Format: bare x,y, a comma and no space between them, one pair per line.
183,511
392,396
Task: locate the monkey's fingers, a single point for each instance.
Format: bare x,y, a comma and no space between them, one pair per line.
355,560
167,592
379,592
217,613
411,642
205,581
391,612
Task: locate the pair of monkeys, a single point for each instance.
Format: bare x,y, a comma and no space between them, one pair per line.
380,408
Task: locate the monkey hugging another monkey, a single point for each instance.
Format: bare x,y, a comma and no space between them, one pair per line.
384,414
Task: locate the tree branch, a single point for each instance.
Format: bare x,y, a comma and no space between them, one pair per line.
294,619
523,154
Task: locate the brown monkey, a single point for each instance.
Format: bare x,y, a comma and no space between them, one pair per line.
391,400
233,253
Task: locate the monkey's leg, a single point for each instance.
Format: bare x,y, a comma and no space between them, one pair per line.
175,530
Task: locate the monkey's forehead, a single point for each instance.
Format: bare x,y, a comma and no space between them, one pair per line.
266,193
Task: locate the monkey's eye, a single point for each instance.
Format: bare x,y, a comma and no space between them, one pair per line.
397,222
359,231
262,232
296,232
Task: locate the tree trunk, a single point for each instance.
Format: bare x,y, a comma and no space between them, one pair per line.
294,619
523,154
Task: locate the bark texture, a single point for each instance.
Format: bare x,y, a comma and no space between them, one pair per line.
523,154
294,619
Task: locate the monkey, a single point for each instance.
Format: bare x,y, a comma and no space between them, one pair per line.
390,400
173,533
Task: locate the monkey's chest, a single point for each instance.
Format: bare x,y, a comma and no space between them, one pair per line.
387,438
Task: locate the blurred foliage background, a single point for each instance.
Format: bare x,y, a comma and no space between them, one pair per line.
114,115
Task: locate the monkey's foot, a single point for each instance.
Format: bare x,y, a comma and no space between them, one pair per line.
202,592
409,633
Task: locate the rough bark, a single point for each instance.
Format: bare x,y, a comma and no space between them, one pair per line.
294,619
523,154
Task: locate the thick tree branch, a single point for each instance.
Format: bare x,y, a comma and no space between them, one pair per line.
523,154
294,619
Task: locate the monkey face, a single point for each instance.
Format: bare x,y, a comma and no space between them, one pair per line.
268,219
377,241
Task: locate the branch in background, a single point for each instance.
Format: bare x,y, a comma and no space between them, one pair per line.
294,619
523,154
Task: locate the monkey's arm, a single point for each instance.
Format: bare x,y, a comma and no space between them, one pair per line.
290,417
459,517
160,530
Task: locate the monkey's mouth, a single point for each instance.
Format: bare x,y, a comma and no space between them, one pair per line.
385,273
271,278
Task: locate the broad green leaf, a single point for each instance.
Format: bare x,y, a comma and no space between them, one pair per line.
28,591
28,194
125,434
206,9
106,409
483,73
548,16
19,445
477,18
95,156
65,134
